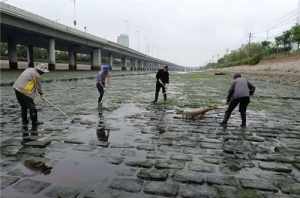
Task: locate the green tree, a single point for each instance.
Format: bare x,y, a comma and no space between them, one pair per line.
40,53
21,52
3,49
284,41
265,44
287,39
296,34
279,41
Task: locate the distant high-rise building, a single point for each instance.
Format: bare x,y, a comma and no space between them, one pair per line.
123,39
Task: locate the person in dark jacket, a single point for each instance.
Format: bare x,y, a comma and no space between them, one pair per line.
239,93
162,79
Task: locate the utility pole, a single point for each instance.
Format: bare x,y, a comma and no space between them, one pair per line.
298,14
249,42
250,37
74,14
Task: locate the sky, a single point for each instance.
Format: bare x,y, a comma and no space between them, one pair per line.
185,32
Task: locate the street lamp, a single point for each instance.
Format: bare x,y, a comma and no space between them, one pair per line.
74,14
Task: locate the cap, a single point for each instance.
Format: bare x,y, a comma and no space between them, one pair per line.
105,67
42,68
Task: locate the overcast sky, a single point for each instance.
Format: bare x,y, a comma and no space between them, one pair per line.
187,32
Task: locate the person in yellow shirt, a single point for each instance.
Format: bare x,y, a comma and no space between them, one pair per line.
27,87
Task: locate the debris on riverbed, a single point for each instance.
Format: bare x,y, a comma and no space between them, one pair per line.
220,73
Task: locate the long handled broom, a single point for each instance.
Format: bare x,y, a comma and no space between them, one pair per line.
57,108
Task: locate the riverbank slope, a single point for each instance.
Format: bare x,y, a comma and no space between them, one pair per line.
282,70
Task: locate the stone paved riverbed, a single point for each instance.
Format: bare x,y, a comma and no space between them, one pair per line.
149,153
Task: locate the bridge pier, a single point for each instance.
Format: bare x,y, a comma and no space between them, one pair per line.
51,55
127,63
72,60
142,65
136,65
30,60
96,59
123,60
12,54
131,64
111,61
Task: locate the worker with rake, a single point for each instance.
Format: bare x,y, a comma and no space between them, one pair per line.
162,79
27,87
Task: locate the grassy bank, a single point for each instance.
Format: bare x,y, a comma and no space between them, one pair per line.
284,45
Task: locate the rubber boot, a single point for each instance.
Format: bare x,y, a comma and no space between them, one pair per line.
156,98
34,130
225,120
25,137
244,119
165,97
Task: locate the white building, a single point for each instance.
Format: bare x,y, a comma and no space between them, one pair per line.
123,39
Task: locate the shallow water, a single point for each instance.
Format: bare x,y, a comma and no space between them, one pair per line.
140,130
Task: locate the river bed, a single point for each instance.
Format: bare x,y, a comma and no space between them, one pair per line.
149,153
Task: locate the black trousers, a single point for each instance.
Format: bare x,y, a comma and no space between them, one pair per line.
157,89
27,103
101,92
243,104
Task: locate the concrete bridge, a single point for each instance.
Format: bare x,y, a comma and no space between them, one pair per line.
21,27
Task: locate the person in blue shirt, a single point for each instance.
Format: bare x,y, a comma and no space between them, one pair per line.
102,78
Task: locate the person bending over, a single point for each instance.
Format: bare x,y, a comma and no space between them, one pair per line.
162,79
27,87
102,78
238,94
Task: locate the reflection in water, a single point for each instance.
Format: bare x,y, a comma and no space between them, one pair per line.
162,124
101,131
38,166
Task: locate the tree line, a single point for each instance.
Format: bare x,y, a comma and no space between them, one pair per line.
252,53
